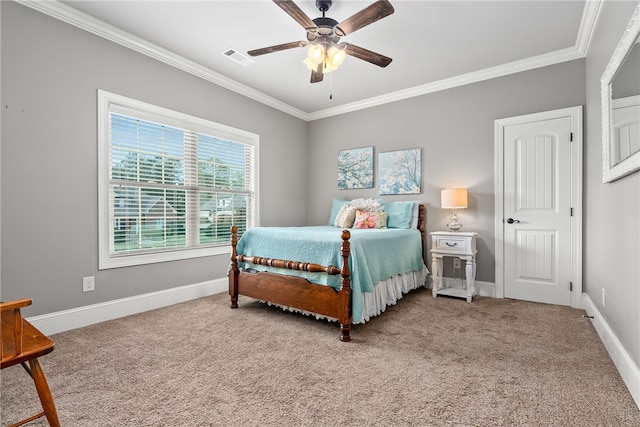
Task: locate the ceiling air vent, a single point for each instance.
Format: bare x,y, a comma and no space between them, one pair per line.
236,56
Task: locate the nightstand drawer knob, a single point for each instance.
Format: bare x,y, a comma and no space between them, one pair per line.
451,244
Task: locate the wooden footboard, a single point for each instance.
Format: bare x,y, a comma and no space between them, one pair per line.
291,291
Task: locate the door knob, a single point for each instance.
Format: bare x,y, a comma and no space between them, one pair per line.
511,220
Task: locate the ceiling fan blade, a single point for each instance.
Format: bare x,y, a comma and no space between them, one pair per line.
317,75
367,55
370,14
296,13
276,48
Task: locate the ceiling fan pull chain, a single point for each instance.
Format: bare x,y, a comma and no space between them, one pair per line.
330,86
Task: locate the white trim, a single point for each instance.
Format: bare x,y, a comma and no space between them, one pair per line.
109,32
483,289
587,25
534,62
79,317
575,113
110,102
628,369
88,23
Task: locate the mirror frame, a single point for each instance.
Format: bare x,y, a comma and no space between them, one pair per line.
631,163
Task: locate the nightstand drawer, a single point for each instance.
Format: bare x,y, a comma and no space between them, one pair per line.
452,244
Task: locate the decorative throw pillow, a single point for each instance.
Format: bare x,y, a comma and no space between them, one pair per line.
336,204
369,205
345,217
365,219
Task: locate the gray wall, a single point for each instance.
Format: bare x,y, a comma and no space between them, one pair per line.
612,220
455,130
50,74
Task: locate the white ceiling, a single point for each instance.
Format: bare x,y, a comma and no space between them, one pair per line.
434,44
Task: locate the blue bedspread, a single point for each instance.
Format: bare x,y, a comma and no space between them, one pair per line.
376,254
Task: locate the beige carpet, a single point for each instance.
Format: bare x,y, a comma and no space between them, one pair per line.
424,362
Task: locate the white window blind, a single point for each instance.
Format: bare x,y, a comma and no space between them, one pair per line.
171,185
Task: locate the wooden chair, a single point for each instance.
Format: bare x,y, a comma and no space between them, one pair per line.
22,343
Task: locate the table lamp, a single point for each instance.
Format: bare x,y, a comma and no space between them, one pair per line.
454,198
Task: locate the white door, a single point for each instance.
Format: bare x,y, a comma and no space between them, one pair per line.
538,245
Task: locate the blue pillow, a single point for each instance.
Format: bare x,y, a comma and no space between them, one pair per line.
399,214
335,208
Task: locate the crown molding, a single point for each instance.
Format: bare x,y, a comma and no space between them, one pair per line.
531,63
58,10
588,23
67,14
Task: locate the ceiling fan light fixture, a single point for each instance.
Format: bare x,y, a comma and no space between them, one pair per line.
325,52
330,57
310,65
315,54
335,56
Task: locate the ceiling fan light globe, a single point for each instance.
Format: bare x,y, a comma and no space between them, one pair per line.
336,56
310,65
315,54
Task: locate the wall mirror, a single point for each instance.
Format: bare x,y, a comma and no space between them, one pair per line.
620,92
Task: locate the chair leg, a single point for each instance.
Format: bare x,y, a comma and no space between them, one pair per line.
44,393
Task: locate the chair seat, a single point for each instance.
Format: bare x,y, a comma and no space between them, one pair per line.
34,342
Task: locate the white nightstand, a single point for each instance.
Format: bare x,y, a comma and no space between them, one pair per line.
454,244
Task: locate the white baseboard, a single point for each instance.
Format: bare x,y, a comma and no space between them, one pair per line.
66,320
629,371
74,318
483,289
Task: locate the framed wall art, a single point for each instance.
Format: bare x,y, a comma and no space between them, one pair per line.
355,168
400,172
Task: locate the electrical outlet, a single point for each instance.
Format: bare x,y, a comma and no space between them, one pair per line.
88,284
604,298
457,263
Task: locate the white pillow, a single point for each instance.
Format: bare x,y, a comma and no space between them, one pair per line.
369,205
346,216
335,208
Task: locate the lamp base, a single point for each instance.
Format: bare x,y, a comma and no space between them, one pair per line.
454,225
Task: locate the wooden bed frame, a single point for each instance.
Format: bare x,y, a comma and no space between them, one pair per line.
297,292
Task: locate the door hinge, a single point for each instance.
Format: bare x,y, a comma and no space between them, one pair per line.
571,137
570,286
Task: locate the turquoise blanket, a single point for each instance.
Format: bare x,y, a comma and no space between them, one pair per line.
376,254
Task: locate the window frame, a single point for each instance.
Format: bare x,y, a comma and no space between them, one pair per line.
109,102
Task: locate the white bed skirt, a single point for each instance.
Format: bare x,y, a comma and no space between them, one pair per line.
385,293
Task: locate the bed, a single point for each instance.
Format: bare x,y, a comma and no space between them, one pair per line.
343,274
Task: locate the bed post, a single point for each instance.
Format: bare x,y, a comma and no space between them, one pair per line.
422,213
344,294
234,271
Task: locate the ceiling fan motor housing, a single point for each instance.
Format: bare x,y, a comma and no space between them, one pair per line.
325,27
323,5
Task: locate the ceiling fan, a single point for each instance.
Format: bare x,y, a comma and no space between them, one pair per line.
325,53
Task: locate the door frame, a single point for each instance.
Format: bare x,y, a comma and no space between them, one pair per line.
575,114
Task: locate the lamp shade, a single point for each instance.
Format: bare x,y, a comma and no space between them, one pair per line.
453,198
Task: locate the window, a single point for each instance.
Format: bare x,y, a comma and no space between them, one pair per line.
170,185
